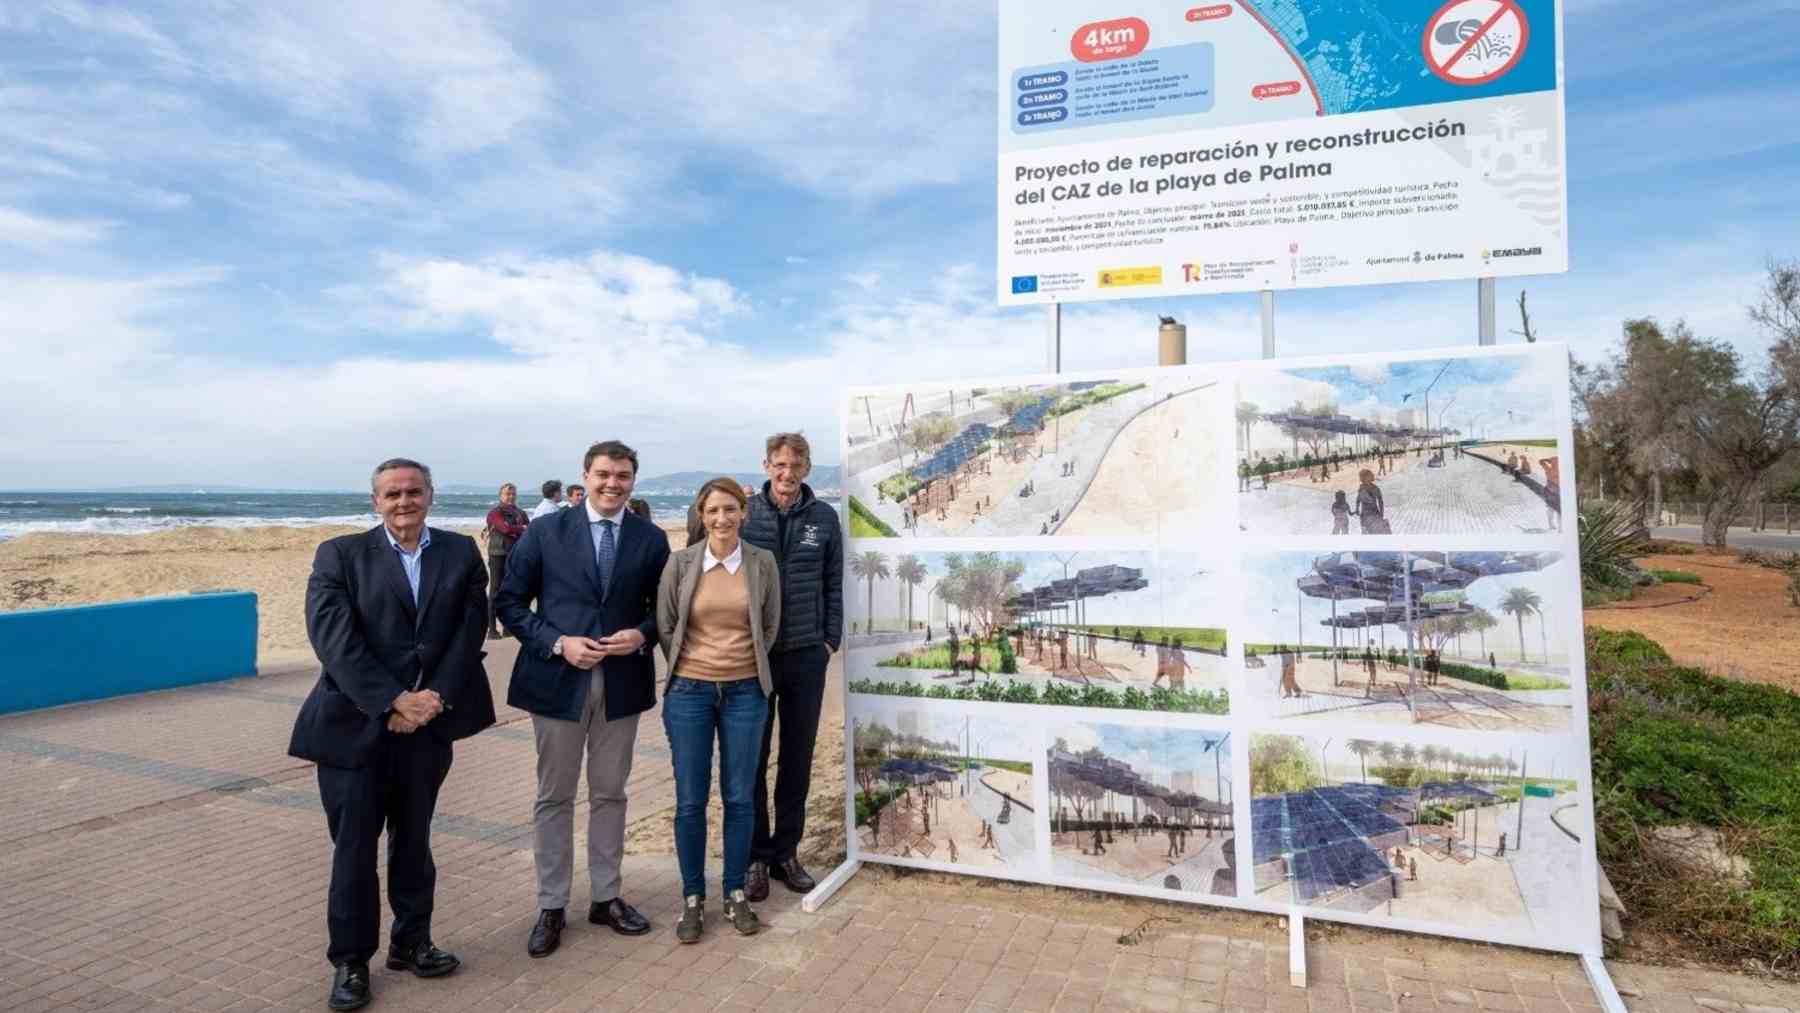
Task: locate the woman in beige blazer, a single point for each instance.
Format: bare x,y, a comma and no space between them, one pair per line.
717,609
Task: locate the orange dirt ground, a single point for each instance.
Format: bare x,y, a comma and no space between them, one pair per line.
1744,629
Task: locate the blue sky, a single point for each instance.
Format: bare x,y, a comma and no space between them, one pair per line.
269,244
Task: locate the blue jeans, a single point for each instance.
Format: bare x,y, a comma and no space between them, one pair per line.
693,710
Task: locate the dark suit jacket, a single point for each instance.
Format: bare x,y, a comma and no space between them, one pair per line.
554,563
373,643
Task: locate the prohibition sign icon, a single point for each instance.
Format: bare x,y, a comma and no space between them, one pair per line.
1471,42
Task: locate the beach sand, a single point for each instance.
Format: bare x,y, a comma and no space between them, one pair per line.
45,570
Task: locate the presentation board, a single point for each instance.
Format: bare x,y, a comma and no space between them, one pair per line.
1288,636
1156,149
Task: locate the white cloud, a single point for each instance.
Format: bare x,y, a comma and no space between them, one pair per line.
21,228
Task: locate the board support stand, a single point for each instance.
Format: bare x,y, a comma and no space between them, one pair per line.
1296,951
1053,337
1484,311
812,902
1601,979
1268,323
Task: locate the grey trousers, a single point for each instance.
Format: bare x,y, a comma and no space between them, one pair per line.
560,744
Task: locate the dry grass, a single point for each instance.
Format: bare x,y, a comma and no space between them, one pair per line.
1744,629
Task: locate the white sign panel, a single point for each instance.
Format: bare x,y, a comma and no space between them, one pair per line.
1182,149
1288,636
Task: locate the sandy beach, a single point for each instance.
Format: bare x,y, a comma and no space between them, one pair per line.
44,570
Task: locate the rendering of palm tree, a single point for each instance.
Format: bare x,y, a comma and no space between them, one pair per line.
869,566
1362,748
911,573
1519,603
1430,755
1247,417
1481,621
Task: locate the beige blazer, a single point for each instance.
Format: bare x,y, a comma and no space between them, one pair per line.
675,596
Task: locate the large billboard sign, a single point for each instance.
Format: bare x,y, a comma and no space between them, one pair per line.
1161,148
1295,636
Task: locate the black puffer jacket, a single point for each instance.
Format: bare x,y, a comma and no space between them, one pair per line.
809,547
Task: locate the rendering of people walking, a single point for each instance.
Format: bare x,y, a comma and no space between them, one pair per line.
1340,514
1370,509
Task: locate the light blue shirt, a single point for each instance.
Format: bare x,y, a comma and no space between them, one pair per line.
410,560
595,517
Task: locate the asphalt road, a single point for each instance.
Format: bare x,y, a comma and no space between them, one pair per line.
1740,538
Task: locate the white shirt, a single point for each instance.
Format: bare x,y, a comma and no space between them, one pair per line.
410,560
730,563
544,508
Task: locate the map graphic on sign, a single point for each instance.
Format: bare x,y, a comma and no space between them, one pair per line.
1265,60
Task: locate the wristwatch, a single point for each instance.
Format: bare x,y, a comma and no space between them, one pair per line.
556,648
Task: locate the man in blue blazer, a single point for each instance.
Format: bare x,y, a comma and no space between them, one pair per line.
397,616
585,673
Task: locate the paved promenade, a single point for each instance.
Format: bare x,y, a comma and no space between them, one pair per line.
161,853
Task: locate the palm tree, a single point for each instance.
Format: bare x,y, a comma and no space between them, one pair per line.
912,573
1410,754
1519,603
1481,621
1431,755
1362,748
1247,416
869,566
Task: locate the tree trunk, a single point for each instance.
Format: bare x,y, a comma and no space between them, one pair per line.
1721,509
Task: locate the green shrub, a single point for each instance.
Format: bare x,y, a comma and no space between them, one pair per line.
864,523
1676,746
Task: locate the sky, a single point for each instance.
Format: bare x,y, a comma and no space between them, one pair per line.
269,244
1155,753
1498,397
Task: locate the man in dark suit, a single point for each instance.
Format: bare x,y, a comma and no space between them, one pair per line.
397,616
585,673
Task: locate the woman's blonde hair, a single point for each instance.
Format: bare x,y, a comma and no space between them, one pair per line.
728,486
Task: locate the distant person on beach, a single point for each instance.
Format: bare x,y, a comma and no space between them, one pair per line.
641,507
584,673
505,526
575,497
552,501
718,606
803,533
400,679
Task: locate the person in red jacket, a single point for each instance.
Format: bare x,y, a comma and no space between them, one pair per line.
505,526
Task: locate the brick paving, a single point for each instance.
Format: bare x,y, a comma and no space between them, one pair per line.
161,853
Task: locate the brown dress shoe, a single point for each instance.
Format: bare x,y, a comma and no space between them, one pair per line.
796,878
756,882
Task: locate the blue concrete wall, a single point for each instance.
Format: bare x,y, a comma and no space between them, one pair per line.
89,652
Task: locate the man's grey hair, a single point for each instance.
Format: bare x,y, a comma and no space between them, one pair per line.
396,463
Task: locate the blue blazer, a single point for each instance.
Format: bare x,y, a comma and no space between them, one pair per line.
374,643
554,564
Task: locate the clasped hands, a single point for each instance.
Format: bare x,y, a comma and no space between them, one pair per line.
585,652
414,710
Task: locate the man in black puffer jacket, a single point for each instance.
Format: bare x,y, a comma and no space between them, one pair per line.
808,544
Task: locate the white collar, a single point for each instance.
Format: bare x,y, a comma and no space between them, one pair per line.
730,563
617,516
424,540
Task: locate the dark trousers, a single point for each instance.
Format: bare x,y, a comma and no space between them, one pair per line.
397,791
496,570
798,680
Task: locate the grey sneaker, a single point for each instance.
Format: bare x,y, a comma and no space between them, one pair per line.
693,920
738,913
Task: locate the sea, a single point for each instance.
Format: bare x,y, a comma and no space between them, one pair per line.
133,513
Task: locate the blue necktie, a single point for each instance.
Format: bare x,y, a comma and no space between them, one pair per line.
605,556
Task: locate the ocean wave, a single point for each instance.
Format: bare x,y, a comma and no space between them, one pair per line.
123,510
21,502
151,525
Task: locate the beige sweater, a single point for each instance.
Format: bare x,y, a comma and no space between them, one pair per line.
675,600
718,646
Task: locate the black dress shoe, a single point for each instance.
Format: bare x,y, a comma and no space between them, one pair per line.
623,918
756,882
546,935
424,960
350,987
796,878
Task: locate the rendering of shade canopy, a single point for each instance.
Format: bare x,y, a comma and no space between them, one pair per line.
1347,426
958,451
1092,582
1390,576
1118,777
